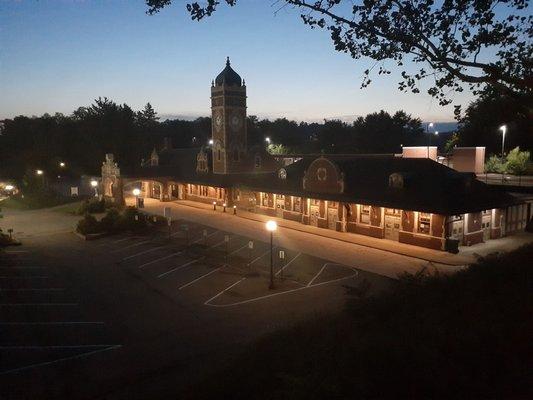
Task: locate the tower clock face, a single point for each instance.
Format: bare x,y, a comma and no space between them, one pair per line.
218,122
236,122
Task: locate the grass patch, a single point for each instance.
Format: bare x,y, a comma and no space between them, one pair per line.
462,336
36,201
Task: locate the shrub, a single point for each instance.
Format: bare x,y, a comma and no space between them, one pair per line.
110,221
88,225
494,164
131,220
517,161
93,205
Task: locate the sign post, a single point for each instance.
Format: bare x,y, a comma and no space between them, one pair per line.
226,240
282,262
250,248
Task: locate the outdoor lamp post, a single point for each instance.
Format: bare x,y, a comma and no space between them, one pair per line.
430,125
267,139
224,205
9,188
234,210
271,226
39,171
62,164
503,128
94,184
214,205
136,192
211,142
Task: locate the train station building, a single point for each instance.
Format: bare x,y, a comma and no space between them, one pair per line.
416,201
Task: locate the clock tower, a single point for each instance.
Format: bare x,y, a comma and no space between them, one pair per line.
228,116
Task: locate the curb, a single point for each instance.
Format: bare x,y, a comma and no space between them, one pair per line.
346,241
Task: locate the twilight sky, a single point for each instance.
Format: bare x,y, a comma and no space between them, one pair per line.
58,55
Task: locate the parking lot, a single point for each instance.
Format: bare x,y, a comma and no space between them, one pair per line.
124,315
41,320
219,269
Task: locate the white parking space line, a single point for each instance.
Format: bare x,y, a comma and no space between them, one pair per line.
206,237
51,323
21,267
143,252
197,279
32,290
130,246
38,304
56,347
60,360
289,263
225,290
16,251
285,292
318,274
216,245
124,239
159,259
180,267
239,249
262,255
23,277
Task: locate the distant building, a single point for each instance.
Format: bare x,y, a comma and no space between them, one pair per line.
410,200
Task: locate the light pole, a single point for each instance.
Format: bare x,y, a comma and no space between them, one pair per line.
503,128
430,125
271,226
94,184
136,192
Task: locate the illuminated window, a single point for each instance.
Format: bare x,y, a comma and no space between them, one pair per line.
424,223
393,211
364,214
297,204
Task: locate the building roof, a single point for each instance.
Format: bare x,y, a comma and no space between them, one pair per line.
228,77
427,185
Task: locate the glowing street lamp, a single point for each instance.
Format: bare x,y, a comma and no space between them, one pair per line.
211,142
136,192
9,188
214,205
267,139
62,164
39,171
503,128
94,184
430,125
271,226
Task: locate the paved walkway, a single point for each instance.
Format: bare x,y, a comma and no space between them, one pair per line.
465,256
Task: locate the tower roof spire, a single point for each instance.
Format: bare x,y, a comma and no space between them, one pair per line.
227,62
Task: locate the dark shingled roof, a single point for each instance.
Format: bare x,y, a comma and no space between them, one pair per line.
228,76
428,185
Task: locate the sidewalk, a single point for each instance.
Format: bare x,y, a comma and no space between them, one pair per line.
465,256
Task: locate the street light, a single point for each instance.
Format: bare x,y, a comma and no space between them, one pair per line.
9,188
211,142
94,184
39,172
267,139
503,128
136,192
62,164
271,226
430,125
214,205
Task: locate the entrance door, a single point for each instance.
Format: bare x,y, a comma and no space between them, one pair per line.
280,206
486,225
332,218
314,213
392,227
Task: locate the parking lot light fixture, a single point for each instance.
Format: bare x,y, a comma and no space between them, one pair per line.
39,171
267,139
214,205
62,164
234,210
271,226
211,142
94,184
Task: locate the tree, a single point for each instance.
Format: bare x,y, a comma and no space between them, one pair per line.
476,43
484,116
451,143
517,161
